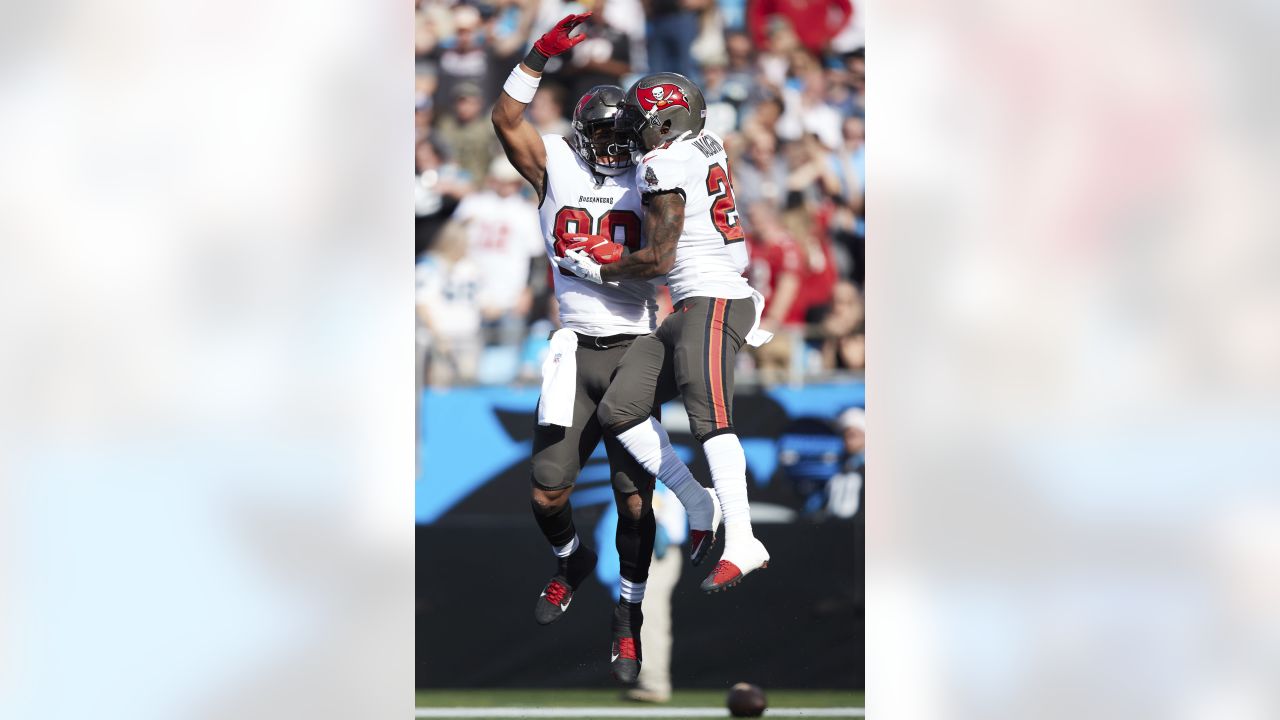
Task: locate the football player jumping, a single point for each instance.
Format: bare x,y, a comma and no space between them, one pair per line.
695,238
588,202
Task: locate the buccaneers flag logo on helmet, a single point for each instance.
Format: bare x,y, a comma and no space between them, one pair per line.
661,97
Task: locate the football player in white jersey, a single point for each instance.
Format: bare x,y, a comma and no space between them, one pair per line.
588,201
695,238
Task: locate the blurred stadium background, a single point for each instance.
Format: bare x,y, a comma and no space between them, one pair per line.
784,85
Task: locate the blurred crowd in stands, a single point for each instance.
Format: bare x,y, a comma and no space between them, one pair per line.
784,83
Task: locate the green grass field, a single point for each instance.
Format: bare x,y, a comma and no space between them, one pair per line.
544,703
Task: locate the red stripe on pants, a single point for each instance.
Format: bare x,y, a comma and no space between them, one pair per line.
715,349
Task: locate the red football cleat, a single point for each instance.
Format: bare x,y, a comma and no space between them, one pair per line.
735,565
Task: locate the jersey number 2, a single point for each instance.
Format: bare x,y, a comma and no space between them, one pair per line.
724,209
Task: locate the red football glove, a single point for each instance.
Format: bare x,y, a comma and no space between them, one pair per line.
557,39
597,246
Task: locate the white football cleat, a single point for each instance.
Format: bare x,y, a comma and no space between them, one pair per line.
737,562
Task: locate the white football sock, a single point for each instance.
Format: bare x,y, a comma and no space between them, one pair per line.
649,444
631,592
567,549
729,472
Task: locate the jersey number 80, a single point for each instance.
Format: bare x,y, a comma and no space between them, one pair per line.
620,226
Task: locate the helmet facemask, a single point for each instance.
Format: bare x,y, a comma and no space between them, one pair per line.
602,147
640,132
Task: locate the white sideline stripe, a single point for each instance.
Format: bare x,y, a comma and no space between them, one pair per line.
622,712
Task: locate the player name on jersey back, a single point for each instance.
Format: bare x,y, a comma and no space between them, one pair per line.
579,201
711,254
708,144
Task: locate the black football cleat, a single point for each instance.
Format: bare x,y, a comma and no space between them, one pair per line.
558,592
554,600
624,655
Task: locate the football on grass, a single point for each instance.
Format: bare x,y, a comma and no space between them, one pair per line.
746,700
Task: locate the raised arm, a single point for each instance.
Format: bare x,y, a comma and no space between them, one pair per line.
663,223
520,141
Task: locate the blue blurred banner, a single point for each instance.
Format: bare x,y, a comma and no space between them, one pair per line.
475,444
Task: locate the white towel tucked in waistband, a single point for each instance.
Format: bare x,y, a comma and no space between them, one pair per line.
757,337
559,380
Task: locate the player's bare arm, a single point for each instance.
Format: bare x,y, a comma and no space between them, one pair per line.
663,223
520,140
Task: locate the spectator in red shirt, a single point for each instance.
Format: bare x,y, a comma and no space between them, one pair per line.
818,272
815,22
776,265
775,270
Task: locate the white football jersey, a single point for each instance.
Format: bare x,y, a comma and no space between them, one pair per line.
712,253
502,236
575,203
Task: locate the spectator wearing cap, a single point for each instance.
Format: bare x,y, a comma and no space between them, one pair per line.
846,489
465,134
853,425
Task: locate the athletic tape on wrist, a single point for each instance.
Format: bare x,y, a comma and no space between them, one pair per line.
535,60
521,85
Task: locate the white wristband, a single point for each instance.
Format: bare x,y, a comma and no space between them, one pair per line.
521,85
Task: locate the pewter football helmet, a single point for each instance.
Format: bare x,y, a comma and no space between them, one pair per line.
659,108
594,137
